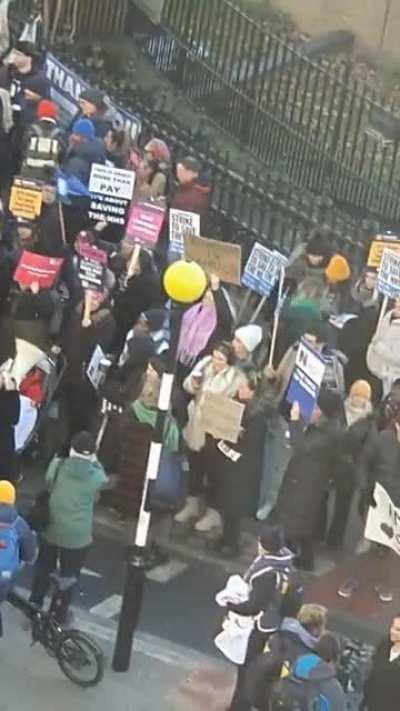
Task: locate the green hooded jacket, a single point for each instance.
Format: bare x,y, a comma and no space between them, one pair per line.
72,501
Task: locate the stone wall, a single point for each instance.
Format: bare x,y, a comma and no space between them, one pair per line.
364,17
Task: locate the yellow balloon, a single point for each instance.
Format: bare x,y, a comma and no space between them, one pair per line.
185,282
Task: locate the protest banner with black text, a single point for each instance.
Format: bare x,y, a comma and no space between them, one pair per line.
181,223
383,521
306,380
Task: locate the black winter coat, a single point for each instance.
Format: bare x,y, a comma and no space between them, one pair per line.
9,416
309,471
387,462
237,482
142,293
382,688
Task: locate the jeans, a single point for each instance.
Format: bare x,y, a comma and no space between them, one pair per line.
70,561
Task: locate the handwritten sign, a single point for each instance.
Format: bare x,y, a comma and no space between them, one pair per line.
262,269
181,223
37,268
26,199
107,180
145,223
383,521
378,245
389,274
220,258
92,267
222,417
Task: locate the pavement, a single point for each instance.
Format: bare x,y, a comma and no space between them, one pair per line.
175,664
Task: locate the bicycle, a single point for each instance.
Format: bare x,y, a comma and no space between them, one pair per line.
76,652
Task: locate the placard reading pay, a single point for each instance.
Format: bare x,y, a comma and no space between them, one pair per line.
107,180
262,269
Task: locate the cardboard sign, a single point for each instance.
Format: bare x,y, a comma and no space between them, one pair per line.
383,521
37,268
306,380
92,267
107,180
220,258
378,245
222,417
262,269
181,223
26,199
65,90
145,223
389,274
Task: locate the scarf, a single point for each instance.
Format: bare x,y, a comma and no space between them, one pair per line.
147,416
198,325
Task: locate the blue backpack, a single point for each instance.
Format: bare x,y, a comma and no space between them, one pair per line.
293,692
9,551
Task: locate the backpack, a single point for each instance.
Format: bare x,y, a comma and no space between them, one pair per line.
9,551
43,148
290,693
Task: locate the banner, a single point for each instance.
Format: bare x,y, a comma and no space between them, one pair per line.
92,267
145,223
26,199
389,274
37,268
181,223
222,417
262,269
306,380
378,245
66,88
220,258
383,521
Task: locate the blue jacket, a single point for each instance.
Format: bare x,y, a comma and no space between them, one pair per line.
27,540
79,159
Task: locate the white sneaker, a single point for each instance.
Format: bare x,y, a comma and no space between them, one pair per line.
190,510
210,520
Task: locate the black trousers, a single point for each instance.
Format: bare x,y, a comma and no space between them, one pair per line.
70,562
255,647
231,531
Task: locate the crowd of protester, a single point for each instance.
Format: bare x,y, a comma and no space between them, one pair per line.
281,470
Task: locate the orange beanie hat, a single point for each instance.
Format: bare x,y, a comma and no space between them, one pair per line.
337,270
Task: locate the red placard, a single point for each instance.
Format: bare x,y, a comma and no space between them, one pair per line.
145,223
37,268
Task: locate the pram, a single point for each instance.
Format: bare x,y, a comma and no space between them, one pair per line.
52,366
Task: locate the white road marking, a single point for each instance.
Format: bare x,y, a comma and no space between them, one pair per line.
165,573
90,573
108,608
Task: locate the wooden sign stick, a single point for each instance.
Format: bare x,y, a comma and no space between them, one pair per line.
87,321
133,261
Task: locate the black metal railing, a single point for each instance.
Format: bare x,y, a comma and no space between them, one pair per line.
248,206
310,116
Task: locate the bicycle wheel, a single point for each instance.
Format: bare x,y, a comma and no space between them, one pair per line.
80,658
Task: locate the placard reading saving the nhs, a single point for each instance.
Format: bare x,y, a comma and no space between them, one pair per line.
66,88
262,269
383,521
306,380
111,189
389,274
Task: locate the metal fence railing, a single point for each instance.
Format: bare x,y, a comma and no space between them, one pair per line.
310,116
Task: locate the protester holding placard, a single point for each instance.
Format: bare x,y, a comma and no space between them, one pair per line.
117,148
383,355
311,468
92,106
78,341
238,466
202,325
142,292
217,374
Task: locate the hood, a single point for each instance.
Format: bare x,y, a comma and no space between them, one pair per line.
89,149
79,467
310,667
8,514
294,627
